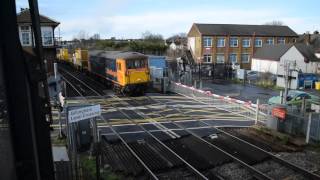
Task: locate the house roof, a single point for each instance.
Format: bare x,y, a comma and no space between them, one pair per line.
272,52
25,17
245,30
307,51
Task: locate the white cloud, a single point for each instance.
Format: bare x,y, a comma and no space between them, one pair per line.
171,22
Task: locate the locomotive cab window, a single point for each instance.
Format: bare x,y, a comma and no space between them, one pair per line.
137,63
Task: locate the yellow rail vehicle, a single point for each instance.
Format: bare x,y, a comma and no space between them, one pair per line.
63,55
81,59
127,71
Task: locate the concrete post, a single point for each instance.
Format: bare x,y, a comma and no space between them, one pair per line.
308,128
303,106
55,70
281,97
195,84
257,112
200,84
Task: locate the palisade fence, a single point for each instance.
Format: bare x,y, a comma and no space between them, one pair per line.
297,125
247,110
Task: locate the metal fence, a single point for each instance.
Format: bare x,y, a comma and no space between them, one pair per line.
247,110
315,127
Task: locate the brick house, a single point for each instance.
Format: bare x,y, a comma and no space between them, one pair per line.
232,43
48,37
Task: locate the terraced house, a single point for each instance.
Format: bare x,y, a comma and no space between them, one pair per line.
233,43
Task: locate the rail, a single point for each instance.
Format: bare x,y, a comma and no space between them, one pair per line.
145,130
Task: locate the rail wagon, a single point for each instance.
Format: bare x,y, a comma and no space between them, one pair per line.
63,55
127,72
81,59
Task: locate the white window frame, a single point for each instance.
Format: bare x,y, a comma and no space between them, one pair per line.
281,40
224,41
236,59
234,39
268,41
45,31
207,58
246,40
217,59
207,41
248,59
25,31
258,40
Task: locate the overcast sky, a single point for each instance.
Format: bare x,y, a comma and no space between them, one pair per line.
130,18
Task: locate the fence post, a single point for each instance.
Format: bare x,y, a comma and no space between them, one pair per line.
303,106
308,128
257,112
281,97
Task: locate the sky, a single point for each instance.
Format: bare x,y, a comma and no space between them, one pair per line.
130,18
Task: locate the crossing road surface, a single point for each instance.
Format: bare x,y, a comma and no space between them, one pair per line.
161,109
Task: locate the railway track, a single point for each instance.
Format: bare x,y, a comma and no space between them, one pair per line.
144,159
242,151
226,146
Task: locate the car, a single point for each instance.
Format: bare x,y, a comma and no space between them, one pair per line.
252,75
295,97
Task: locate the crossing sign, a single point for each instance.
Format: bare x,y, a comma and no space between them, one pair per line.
83,113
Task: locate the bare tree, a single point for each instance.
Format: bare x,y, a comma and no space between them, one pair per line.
275,23
96,36
148,36
82,35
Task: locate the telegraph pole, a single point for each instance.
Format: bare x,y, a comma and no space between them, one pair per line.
286,80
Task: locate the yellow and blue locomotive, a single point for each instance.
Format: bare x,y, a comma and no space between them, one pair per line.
128,72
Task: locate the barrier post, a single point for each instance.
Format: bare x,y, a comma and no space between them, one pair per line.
257,112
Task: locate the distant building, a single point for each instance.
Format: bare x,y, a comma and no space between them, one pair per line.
231,43
48,37
177,43
272,59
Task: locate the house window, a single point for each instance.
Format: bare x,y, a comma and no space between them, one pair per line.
270,41
47,36
246,42
220,58
207,42
233,58
245,58
233,42
221,42
281,40
207,58
258,42
25,35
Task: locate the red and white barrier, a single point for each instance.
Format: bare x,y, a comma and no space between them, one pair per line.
248,104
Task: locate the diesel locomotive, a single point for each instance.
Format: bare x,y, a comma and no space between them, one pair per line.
127,72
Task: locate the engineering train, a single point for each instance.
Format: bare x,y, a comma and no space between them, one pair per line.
127,72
